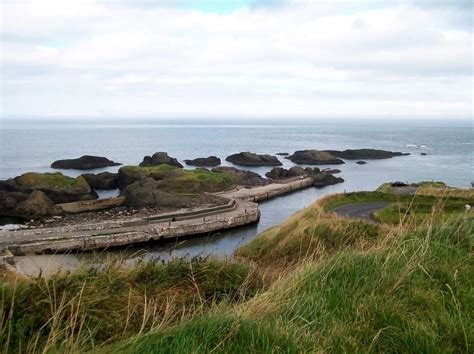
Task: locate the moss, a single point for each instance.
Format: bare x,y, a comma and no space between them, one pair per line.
148,170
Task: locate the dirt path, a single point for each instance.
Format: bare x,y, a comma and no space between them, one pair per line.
361,210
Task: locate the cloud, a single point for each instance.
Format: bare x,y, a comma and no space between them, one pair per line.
91,58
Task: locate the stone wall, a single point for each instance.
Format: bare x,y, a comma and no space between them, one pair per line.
142,233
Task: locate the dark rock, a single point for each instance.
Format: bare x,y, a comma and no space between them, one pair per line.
104,180
282,154
314,157
147,193
366,154
252,159
326,179
56,186
244,178
26,206
160,158
361,162
37,205
85,162
129,174
398,184
423,154
331,171
279,173
210,161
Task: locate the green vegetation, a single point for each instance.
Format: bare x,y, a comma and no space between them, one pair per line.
148,170
50,180
177,180
413,294
433,199
334,201
316,283
91,307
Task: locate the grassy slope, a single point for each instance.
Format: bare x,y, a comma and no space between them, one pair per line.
412,295
337,285
78,311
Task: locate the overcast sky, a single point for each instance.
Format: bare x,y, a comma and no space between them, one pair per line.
218,59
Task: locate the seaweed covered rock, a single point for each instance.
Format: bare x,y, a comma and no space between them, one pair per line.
85,162
103,180
160,158
242,177
210,161
56,186
252,159
314,157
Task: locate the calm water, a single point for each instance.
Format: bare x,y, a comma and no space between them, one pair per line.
450,157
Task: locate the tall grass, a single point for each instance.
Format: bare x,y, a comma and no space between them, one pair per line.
78,311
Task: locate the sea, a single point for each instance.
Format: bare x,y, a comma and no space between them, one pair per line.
33,144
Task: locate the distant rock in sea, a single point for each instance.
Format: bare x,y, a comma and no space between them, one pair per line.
314,157
210,161
160,158
252,159
360,162
86,162
282,154
365,154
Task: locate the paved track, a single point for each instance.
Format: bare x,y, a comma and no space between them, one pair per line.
361,210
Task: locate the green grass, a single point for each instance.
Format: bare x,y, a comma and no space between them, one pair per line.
412,295
148,170
91,307
334,201
56,180
407,208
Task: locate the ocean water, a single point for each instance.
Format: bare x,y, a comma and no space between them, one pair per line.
33,146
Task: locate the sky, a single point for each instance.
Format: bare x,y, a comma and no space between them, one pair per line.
236,59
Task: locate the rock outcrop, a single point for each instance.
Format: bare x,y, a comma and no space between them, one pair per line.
210,161
56,186
279,173
160,158
86,162
252,159
361,162
331,171
314,157
27,206
148,193
326,179
365,154
242,177
129,174
104,180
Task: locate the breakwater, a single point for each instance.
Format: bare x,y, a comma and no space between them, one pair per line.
242,209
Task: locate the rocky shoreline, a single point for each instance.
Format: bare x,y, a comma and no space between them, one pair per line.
159,183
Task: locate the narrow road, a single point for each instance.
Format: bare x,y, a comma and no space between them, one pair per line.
361,210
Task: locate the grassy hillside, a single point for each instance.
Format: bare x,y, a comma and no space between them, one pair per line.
316,283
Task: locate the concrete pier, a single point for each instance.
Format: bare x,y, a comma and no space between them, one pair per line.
241,210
